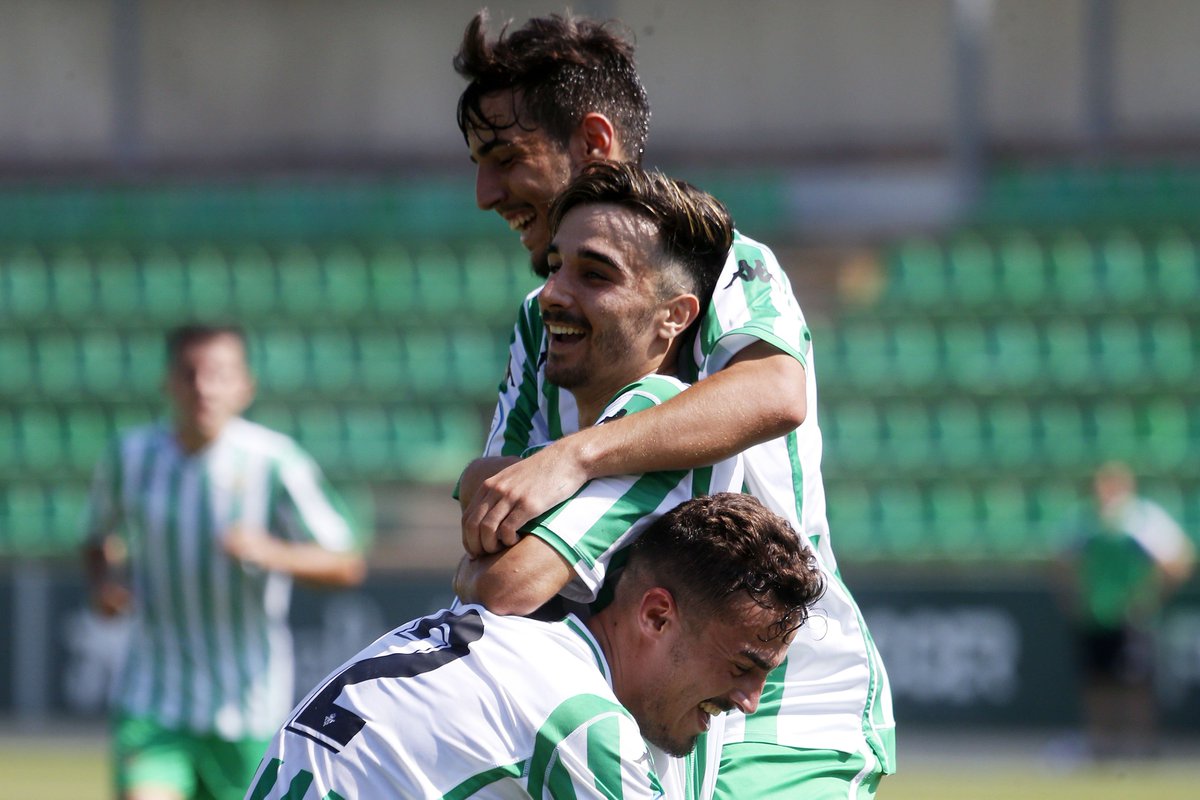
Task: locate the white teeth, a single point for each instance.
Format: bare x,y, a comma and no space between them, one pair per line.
563,330
711,709
520,222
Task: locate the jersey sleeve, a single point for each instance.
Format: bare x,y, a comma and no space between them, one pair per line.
591,528
305,508
519,421
753,301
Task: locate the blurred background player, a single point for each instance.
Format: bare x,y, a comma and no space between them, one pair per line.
1126,556
542,101
465,703
216,516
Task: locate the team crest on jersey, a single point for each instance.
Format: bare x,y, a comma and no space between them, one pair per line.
329,718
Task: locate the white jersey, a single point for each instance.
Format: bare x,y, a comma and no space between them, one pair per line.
210,649
463,704
832,692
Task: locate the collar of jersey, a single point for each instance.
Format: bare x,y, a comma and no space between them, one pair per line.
576,624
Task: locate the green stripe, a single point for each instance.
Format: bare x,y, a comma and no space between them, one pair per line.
266,781
519,423
763,724
560,784
207,533
601,663
237,580
643,496
697,765
177,576
153,613
570,715
476,782
797,481
604,768
701,481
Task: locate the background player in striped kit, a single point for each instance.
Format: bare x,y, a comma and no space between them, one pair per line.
542,101
216,515
466,703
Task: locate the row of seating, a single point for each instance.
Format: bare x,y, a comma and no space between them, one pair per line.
1004,518
364,441
340,282
1069,269
454,364
47,518
1060,353
1005,435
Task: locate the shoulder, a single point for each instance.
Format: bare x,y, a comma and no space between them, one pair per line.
649,391
259,440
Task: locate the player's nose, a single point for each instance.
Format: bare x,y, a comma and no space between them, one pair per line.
489,189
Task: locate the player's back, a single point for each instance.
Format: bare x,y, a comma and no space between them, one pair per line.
461,704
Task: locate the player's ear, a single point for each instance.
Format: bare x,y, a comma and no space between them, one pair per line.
594,140
681,311
657,613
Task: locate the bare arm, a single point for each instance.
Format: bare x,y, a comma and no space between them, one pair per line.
305,561
517,580
758,397
109,595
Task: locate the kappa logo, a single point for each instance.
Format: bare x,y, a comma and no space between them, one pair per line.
329,718
750,273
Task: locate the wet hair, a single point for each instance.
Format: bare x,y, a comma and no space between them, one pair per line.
710,549
561,68
182,337
695,228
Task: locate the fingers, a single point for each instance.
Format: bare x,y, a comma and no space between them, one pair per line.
481,521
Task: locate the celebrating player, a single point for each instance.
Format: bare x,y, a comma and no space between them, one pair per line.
465,703
216,515
542,101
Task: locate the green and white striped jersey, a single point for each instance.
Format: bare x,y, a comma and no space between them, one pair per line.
464,704
210,649
832,692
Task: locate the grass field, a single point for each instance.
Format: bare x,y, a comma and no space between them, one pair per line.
70,766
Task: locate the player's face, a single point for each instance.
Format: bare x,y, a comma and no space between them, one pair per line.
713,667
208,385
600,302
518,171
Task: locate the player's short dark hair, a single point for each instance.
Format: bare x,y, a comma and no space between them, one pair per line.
710,548
695,227
184,336
563,67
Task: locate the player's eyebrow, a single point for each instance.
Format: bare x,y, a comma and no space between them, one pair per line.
758,660
487,147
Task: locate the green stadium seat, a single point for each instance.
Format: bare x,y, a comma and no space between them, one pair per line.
864,354
439,281
359,502
480,357
255,286
131,415
1171,350
917,361
58,369
1169,443
24,531
393,278
24,286
1062,440
1005,517
301,284
209,283
283,361
850,507
903,528
145,363
954,520
276,416
10,429
1119,352
41,441
961,438
1052,502
165,285
16,364
917,273
427,362
967,353
334,360
853,429
971,262
1125,269
380,363
319,431
118,284
66,507
1068,353
490,290
1016,353
1074,264
1011,433
1114,433
346,282
86,435
908,435
1021,267
73,284
370,439
1177,269
102,363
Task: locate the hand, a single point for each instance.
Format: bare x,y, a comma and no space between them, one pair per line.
515,495
111,599
253,547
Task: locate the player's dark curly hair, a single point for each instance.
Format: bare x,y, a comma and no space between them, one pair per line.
695,228
710,548
184,336
563,67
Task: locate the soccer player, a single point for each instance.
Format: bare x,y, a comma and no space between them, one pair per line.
215,515
541,102
465,703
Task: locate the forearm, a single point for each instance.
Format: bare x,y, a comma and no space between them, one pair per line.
518,580
307,562
751,401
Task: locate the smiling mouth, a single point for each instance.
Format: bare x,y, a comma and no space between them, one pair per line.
520,222
711,708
